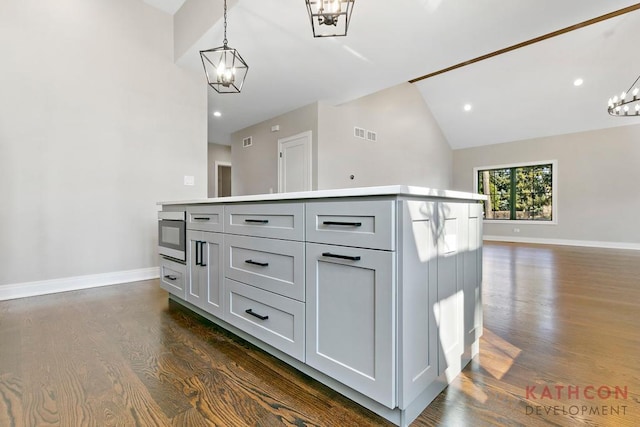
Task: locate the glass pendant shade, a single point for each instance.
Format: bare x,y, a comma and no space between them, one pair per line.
329,18
225,69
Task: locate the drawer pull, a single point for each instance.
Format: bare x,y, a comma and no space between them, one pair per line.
348,224
200,253
351,258
201,218
257,221
250,311
261,264
170,277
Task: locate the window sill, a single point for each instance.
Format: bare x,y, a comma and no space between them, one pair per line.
518,221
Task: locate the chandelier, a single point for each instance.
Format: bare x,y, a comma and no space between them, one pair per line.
224,67
329,18
628,104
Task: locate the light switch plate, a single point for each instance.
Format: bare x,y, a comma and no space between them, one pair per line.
189,180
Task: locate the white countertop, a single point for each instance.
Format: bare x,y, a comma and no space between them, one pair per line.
387,190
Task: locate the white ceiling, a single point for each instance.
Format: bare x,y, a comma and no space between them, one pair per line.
168,6
526,93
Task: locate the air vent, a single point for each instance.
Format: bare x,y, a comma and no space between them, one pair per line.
372,136
359,132
247,142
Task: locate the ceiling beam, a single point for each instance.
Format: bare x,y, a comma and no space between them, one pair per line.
532,41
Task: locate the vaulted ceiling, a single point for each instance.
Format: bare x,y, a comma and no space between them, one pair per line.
524,93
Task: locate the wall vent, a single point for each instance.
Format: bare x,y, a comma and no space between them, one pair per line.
359,132
247,142
372,136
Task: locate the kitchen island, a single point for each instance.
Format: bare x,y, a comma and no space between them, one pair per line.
375,292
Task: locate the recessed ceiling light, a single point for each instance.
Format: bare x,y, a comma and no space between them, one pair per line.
578,82
217,113
467,107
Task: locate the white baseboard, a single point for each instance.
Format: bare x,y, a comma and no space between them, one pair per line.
43,287
565,242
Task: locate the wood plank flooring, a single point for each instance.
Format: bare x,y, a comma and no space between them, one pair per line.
562,317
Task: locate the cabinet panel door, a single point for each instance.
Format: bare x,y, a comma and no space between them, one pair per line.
418,291
204,256
473,278
451,225
196,273
351,318
213,254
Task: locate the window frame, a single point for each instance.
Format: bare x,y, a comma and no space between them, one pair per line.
554,191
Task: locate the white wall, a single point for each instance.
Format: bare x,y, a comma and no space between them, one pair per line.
255,168
410,147
194,20
96,125
598,185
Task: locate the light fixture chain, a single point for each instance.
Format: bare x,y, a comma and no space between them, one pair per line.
633,85
225,23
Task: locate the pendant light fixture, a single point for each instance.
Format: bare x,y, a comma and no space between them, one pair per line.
225,68
628,105
329,18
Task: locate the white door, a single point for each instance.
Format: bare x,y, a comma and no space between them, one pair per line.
294,163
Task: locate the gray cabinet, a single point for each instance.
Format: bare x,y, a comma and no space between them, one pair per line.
417,297
275,220
205,218
205,261
350,318
173,276
377,296
451,225
363,224
270,264
439,292
274,319
473,282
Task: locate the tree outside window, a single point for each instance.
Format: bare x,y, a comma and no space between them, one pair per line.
518,193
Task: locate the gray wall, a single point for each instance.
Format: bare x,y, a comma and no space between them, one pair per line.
96,125
215,152
598,176
255,168
410,147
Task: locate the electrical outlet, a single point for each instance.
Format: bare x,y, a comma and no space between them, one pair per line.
516,230
189,180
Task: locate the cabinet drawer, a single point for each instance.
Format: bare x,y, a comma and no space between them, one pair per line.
277,220
173,277
270,264
205,218
274,319
363,224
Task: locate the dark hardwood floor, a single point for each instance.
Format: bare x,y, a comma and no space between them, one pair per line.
562,317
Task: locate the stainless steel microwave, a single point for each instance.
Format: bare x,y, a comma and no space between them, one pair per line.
172,235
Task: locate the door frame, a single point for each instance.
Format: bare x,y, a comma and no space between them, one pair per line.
215,175
309,148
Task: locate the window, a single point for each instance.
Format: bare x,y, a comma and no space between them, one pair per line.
518,192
